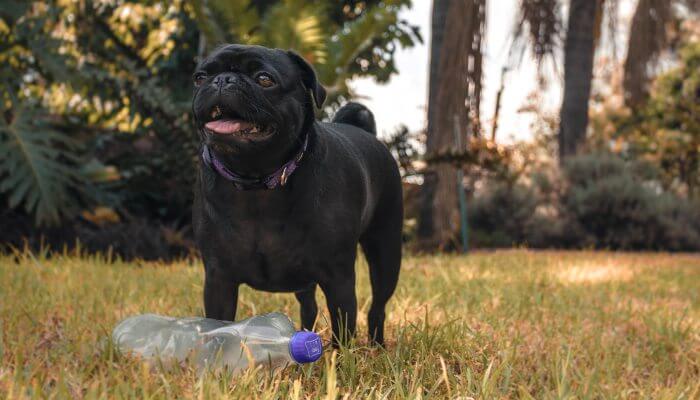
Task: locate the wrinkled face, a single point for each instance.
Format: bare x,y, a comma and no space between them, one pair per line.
249,98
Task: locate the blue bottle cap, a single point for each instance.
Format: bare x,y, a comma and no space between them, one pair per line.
305,347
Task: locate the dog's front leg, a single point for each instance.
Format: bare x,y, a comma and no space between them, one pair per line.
308,307
342,305
220,297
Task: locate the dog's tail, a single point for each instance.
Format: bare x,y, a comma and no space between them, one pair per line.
356,114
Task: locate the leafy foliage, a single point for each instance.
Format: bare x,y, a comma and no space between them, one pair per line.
343,39
600,201
667,130
39,165
107,85
502,216
542,21
616,205
656,28
406,148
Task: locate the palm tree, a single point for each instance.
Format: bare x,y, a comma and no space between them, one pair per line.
426,219
454,98
649,36
653,30
579,51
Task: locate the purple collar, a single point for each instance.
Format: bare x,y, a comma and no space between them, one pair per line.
277,178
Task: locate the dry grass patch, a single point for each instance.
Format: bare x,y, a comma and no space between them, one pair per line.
507,324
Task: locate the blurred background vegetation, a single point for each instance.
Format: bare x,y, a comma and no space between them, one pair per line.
96,142
616,167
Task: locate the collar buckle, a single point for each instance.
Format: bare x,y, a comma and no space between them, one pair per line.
284,176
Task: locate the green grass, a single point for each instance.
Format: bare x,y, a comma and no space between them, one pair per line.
509,324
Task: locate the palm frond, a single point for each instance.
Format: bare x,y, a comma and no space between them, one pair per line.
225,21
541,21
295,24
357,36
35,166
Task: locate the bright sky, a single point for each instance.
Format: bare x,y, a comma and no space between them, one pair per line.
403,99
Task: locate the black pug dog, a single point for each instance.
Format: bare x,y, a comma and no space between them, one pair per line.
282,200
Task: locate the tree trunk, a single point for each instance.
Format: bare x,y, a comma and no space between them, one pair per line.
437,34
455,86
578,73
426,218
647,39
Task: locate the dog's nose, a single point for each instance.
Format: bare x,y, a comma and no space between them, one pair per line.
224,80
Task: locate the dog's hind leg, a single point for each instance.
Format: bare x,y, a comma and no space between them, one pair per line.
308,307
381,244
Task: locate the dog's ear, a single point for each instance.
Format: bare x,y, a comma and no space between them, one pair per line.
308,77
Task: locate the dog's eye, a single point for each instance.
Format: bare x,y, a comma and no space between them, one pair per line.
264,80
199,78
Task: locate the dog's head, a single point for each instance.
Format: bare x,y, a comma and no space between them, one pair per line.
251,100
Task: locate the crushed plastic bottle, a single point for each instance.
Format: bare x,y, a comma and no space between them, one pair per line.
268,339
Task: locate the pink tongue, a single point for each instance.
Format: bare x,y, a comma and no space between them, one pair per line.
227,126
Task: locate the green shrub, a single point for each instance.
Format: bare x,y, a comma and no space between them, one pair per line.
616,205
600,201
502,215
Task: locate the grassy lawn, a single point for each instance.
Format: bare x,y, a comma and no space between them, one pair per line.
510,324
